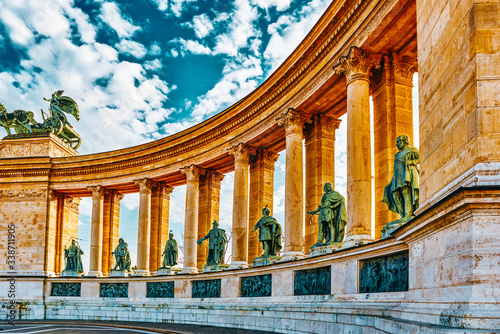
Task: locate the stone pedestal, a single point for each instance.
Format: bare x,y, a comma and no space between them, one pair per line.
216,267
265,261
43,144
394,225
167,271
120,273
325,248
71,273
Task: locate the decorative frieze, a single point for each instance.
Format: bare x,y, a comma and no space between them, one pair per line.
256,286
384,274
116,290
315,281
66,289
160,290
22,193
207,288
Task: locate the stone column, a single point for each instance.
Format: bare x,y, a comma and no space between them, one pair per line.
356,67
293,122
393,116
111,224
208,210
191,218
320,168
239,234
66,227
96,228
144,230
160,205
261,194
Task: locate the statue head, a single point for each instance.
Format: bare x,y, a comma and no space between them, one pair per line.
402,141
171,235
121,241
265,211
73,242
328,187
215,224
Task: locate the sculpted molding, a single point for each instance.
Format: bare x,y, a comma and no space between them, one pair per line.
23,193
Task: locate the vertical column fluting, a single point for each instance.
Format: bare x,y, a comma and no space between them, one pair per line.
293,122
160,205
96,230
320,168
191,218
239,232
144,228
111,227
261,194
356,67
209,203
393,116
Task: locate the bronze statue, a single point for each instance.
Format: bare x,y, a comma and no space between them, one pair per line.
73,256
401,195
122,256
332,217
269,233
170,252
216,244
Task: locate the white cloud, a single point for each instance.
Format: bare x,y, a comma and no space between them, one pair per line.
111,15
201,25
279,4
190,46
175,7
130,201
152,64
132,48
19,33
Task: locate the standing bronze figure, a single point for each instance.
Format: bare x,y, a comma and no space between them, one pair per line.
332,217
216,244
73,256
269,233
122,256
170,252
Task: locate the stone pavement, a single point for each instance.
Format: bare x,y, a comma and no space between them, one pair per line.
108,327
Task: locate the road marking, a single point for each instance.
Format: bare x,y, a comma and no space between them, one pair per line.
24,328
95,328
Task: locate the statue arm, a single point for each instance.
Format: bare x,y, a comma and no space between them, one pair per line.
315,211
202,239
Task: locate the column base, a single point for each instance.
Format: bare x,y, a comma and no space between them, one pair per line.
189,270
357,240
140,273
292,256
94,274
238,265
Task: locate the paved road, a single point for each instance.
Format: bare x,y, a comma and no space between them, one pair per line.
107,327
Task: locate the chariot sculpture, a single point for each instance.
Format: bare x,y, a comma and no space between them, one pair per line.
55,121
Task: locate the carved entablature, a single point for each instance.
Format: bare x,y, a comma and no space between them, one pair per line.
192,172
241,153
357,64
292,120
22,194
98,192
145,185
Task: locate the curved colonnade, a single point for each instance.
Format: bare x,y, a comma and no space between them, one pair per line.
357,49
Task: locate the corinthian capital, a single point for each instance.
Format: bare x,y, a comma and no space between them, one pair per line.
192,172
404,67
145,185
215,177
241,153
292,120
357,64
98,192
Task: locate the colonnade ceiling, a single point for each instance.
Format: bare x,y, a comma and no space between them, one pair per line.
305,81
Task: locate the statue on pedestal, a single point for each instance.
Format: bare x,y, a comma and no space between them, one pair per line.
170,252
269,234
332,217
122,256
216,245
73,256
401,195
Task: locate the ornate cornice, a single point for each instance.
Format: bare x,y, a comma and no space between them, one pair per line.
292,120
192,172
357,64
241,153
98,192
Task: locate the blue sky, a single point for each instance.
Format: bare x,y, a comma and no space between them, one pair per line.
141,70
144,69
